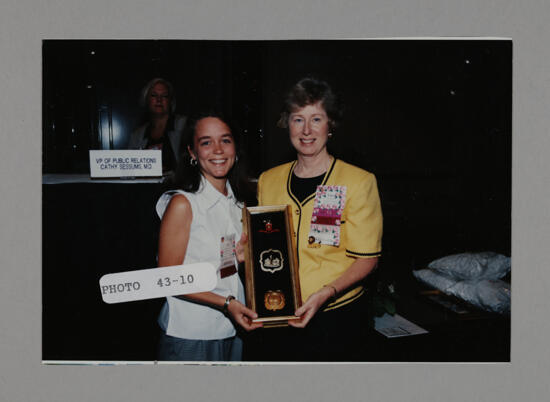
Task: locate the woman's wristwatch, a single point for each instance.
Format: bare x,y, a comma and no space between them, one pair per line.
226,304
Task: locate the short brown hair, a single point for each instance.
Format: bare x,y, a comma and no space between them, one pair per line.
309,91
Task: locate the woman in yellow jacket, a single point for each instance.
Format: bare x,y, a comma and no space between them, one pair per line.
338,227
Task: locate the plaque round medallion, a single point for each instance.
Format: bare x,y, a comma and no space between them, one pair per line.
274,300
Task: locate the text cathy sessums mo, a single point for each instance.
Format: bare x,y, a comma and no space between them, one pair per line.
126,163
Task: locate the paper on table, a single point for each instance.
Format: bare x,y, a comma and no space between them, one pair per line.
393,326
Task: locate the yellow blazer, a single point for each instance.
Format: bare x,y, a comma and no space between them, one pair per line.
360,230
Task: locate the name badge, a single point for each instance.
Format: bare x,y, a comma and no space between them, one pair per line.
227,251
327,214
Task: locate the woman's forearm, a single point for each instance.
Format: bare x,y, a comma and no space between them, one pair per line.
208,298
356,272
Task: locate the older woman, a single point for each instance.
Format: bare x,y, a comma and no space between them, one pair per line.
163,129
338,224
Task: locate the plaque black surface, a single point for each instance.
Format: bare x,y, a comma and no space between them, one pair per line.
265,281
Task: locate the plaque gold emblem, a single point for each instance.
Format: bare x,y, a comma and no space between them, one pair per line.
274,300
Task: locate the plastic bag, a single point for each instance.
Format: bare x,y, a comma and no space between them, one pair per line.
434,279
470,266
489,295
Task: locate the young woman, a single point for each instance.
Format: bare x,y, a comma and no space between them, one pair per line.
198,218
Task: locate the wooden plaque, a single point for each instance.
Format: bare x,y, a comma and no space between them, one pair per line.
272,281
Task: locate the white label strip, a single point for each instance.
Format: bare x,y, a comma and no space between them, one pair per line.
126,163
157,282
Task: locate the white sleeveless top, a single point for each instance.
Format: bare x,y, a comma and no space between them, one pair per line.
214,216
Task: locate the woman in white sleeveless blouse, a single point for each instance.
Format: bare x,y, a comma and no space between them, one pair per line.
204,209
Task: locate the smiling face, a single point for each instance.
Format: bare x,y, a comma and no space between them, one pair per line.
158,100
309,128
214,148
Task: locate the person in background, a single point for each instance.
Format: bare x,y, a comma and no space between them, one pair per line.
338,226
201,222
163,129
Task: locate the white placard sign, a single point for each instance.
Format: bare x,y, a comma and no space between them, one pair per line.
126,163
157,282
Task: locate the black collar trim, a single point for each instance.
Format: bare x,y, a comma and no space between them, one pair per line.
312,196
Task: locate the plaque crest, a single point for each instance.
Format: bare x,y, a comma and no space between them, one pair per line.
271,260
268,227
